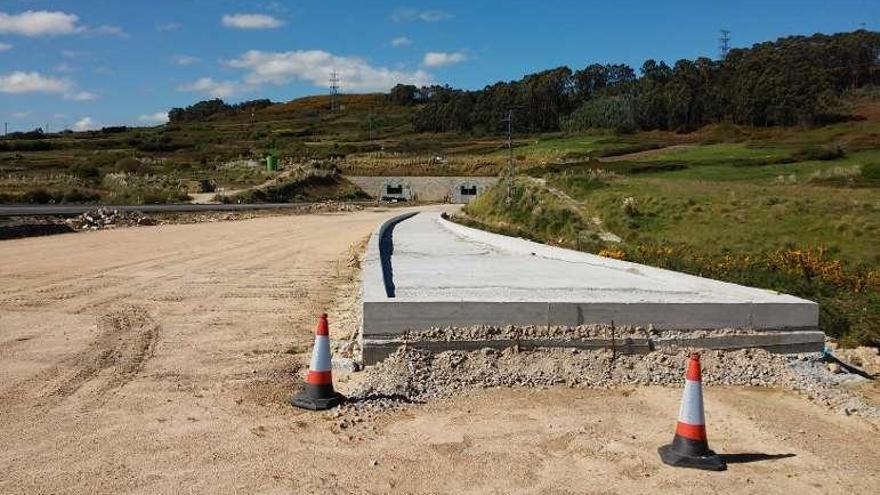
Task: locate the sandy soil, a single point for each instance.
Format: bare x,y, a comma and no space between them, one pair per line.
160,359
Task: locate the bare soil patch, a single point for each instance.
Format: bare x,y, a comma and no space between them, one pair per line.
161,359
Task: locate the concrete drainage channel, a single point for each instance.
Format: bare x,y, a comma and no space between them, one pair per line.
431,284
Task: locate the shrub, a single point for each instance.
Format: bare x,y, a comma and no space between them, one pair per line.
871,171
630,206
79,196
821,153
114,129
131,165
38,196
26,145
85,172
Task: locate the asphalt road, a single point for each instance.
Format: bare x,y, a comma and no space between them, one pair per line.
65,210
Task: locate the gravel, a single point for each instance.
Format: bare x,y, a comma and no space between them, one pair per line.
581,332
415,376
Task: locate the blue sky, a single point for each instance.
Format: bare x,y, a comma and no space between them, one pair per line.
87,63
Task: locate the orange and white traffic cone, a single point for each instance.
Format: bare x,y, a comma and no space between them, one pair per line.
689,447
318,393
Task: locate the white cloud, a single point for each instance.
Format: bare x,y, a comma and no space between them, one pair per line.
4,47
410,14
168,26
107,31
315,66
401,41
44,23
437,59
185,59
251,21
32,82
80,96
85,124
21,115
217,89
154,118
39,23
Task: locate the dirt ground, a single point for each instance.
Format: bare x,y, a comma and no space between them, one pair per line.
160,360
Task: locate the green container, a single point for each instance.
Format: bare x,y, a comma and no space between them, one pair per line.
272,163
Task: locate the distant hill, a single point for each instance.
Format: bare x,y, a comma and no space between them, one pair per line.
438,130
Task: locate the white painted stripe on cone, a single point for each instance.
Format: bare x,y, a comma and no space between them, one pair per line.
321,354
692,404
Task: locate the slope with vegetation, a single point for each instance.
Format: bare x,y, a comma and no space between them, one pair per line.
794,210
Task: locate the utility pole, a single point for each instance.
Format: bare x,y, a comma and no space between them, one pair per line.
509,121
5,129
724,43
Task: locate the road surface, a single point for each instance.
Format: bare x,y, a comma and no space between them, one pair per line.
160,360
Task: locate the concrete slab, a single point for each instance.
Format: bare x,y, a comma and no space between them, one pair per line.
424,271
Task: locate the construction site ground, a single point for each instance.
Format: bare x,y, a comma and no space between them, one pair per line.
161,359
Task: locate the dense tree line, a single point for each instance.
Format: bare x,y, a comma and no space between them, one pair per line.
793,80
209,108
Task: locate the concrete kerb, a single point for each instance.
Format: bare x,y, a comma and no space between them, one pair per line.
373,283
786,326
374,277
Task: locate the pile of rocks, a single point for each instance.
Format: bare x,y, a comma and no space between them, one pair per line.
331,207
106,218
413,375
420,375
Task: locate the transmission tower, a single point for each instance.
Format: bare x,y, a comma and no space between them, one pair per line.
334,91
724,43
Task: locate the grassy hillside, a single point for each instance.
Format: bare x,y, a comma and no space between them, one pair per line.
793,210
307,184
159,164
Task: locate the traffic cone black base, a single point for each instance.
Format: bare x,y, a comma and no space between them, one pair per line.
674,457
305,401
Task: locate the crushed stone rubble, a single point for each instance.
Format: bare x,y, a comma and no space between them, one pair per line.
566,333
332,207
102,217
413,376
106,218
